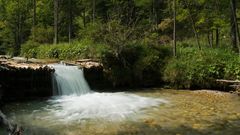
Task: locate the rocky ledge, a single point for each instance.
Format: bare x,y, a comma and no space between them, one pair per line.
28,78
20,79
21,62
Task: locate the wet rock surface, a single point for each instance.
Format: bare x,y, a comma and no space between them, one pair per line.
27,78
24,80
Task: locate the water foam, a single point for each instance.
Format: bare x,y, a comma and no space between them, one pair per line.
76,101
109,106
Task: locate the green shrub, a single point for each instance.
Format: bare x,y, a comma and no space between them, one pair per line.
64,51
232,69
136,65
93,32
196,68
29,49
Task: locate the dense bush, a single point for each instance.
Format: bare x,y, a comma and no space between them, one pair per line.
196,68
136,65
63,51
131,58
29,49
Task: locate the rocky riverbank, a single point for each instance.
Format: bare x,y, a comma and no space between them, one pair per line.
22,78
23,83
21,62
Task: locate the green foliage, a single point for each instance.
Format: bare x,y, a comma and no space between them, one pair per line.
136,64
42,34
13,20
74,51
130,56
91,32
232,70
29,49
200,69
128,36
98,21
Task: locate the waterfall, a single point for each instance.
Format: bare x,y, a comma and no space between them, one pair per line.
69,80
76,102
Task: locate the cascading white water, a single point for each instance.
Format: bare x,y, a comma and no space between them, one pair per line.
77,102
69,80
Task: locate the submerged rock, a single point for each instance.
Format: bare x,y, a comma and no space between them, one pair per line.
13,129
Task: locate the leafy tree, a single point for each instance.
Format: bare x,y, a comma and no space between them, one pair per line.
15,24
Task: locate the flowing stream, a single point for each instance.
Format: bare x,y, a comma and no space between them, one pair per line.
76,101
76,110
186,113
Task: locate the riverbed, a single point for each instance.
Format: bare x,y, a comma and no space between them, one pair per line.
179,112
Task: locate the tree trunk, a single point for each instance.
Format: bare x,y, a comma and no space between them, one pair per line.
131,13
210,39
195,32
152,16
128,12
70,17
34,19
174,29
18,31
21,33
55,21
34,12
234,27
93,10
84,17
217,37
193,26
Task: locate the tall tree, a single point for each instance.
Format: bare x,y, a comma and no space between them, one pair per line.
234,26
34,18
70,20
189,7
93,10
174,29
56,4
18,29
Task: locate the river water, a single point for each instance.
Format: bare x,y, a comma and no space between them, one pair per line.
145,112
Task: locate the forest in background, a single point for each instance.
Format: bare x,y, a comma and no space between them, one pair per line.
132,38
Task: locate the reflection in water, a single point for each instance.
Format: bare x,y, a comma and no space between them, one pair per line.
187,112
